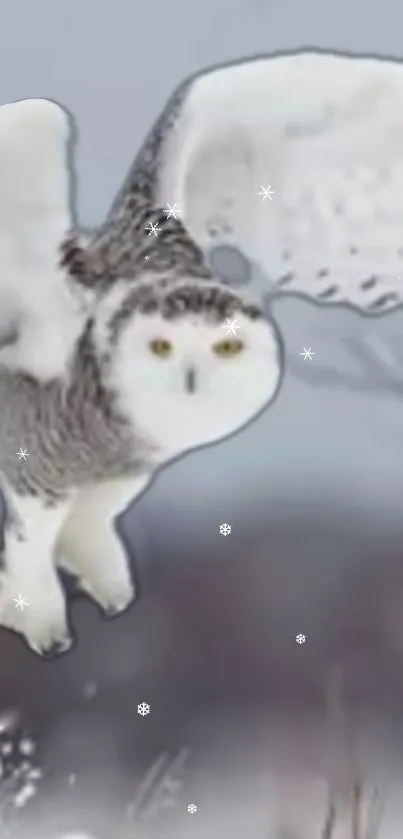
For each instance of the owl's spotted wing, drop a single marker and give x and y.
(325, 133)
(38, 311)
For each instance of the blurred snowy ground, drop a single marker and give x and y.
(313, 490)
(211, 647)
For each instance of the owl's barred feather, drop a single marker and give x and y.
(177, 299)
(72, 428)
(118, 249)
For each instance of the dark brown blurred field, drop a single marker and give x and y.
(210, 645)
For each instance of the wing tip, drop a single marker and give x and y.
(35, 114)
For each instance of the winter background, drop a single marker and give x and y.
(254, 729)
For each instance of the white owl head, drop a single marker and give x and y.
(182, 375)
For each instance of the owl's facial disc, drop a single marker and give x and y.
(224, 348)
(185, 382)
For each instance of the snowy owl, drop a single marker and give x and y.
(99, 393)
(325, 132)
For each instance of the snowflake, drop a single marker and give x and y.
(171, 210)
(143, 709)
(192, 808)
(20, 602)
(230, 326)
(225, 529)
(300, 639)
(307, 353)
(266, 193)
(153, 229)
(22, 454)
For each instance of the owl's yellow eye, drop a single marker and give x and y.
(161, 347)
(228, 347)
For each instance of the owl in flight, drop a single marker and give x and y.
(115, 358)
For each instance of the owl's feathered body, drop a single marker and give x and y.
(75, 427)
(150, 375)
(71, 427)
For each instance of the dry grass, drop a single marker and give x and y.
(354, 807)
(160, 787)
(359, 806)
(365, 816)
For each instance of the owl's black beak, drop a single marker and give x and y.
(190, 380)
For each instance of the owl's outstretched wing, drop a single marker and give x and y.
(325, 133)
(39, 313)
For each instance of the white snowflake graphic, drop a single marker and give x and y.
(230, 326)
(307, 353)
(20, 602)
(192, 808)
(22, 454)
(143, 709)
(153, 229)
(171, 210)
(225, 529)
(266, 192)
(300, 639)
